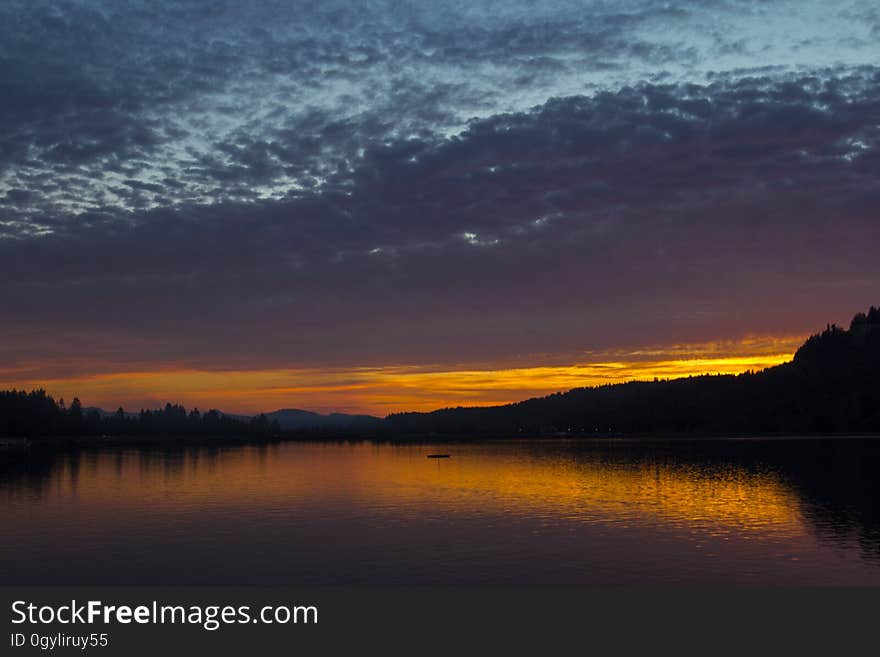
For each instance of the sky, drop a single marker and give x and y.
(371, 206)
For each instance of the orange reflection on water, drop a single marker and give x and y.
(476, 480)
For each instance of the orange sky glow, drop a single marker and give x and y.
(387, 389)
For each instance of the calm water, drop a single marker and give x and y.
(609, 512)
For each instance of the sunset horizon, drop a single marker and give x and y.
(252, 218)
(403, 388)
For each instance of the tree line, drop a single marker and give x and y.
(35, 413)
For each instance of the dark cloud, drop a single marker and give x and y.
(587, 220)
(91, 87)
(270, 184)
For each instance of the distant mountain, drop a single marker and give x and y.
(292, 419)
(103, 413)
(831, 386)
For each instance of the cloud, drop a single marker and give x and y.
(584, 220)
(102, 92)
(287, 186)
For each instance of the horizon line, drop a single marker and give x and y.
(382, 391)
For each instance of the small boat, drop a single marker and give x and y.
(14, 443)
(439, 456)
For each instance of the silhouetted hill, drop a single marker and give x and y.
(831, 386)
(106, 414)
(36, 414)
(291, 419)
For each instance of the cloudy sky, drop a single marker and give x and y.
(382, 205)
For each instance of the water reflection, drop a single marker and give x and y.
(777, 511)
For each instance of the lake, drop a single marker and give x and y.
(743, 512)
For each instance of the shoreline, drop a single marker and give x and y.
(63, 443)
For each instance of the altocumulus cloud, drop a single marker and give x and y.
(280, 185)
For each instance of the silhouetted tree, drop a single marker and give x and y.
(37, 414)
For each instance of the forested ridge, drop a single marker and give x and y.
(832, 385)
